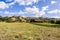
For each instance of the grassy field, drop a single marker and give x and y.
(29, 31)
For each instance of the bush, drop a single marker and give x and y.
(55, 21)
(52, 21)
(32, 20)
(58, 22)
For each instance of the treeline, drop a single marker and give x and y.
(29, 19)
(55, 21)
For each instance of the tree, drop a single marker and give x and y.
(52, 21)
(58, 22)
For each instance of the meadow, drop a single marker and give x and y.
(29, 31)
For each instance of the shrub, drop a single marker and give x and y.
(32, 20)
(58, 22)
(52, 21)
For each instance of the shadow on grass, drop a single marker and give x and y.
(47, 25)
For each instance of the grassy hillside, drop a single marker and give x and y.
(29, 31)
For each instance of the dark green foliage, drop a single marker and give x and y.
(32, 20)
(55, 21)
(58, 22)
(16, 36)
(3, 19)
(38, 39)
(52, 21)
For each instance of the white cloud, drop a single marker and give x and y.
(53, 2)
(20, 12)
(26, 2)
(33, 10)
(59, 4)
(10, 13)
(3, 5)
(6, 12)
(9, 0)
(42, 12)
(55, 16)
(36, 10)
(54, 11)
(23, 2)
(11, 3)
(45, 8)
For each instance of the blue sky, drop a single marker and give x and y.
(30, 8)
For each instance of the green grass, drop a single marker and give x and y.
(29, 31)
